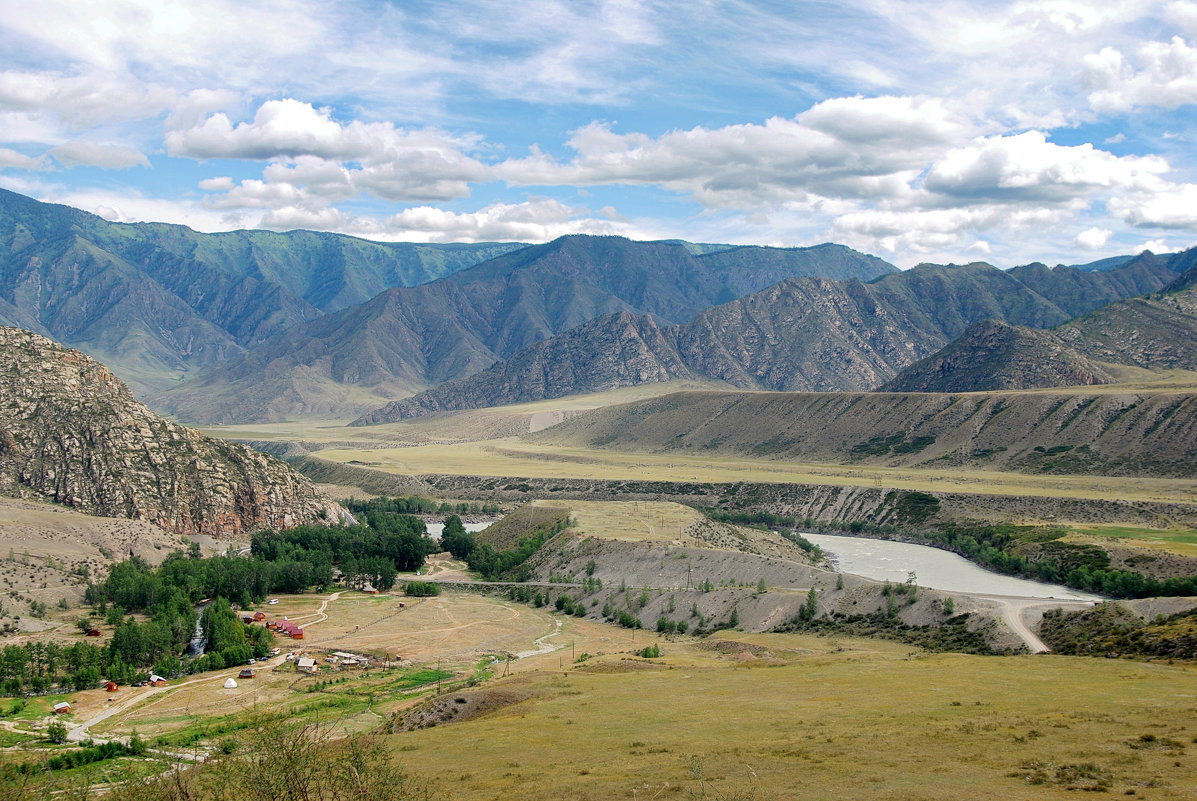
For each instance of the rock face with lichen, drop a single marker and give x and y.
(72, 432)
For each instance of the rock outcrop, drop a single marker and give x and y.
(70, 431)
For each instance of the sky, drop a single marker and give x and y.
(1009, 132)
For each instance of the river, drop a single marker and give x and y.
(435, 529)
(934, 568)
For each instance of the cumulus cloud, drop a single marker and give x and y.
(532, 221)
(311, 149)
(1166, 76)
(93, 154)
(536, 220)
(82, 100)
(1028, 167)
(1093, 238)
(845, 147)
(930, 230)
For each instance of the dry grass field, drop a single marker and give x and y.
(512, 457)
(799, 717)
(632, 521)
(478, 424)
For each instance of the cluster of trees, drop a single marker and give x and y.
(418, 505)
(495, 565)
(76, 758)
(1084, 567)
(39, 665)
(367, 553)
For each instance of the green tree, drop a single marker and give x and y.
(455, 539)
(56, 732)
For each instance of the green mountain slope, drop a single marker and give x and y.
(157, 301)
(408, 339)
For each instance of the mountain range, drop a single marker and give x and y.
(408, 339)
(801, 334)
(260, 326)
(156, 302)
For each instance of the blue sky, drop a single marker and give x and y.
(1050, 130)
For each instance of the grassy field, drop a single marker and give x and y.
(633, 521)
(1181, 541)
(511, 457)
(799, 717)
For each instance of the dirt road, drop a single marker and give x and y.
(1022, 614)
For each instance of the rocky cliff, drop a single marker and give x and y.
(72, 432)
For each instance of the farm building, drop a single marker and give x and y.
(259, 616)
(62, 708)
(111, 686)
(346, 659)
(157, 680)
(307, 665)
(246, 673)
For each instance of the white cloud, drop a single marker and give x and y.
(82, 100)
(12, 159)
(532, 221)
(936, 230)
(1093, 238)
(311, 150)
(846, 147)
(1172, 207)
(1028, 167)
(93, 154)
(1167, 76)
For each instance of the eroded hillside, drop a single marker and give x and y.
(1133, 433)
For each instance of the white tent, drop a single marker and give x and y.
(229, 684)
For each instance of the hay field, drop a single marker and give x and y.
(512, 457)
(799, 717)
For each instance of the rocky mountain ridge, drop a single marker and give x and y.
(70, 431)
(801, 334)
(407, 339)
(994, 356)
(1156, 332)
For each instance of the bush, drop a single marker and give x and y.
(421, 589)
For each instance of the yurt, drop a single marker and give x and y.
(230, 684)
